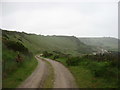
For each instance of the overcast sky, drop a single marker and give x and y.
(68, 17)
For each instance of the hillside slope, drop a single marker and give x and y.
(39, 43)
(107, 43)
(17, 62)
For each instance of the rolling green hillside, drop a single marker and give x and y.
(88, 70)
(108, 43)
(17, 61)
(19, 48)
(39, 43)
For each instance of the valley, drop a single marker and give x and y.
(61, 61)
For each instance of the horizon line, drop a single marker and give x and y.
(62, 35)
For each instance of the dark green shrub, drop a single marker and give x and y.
(102, 69)
(55, 57)
(73, 61)
(16, 46)
(46, 54)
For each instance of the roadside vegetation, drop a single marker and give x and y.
(91, 71)
(17, 63)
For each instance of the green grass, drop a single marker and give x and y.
(82, 76)
(8, 58)
(62, 60)
(85, 78)
(18, 76)
(39, 43)
(15, 73)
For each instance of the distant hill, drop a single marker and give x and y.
(38, 43)
(107, 43)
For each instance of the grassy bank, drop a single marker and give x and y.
(85, 79)
(92, 71)
(17, 63)
(16, 77)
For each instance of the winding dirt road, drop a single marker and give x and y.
(62, 76)
(35, 80)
